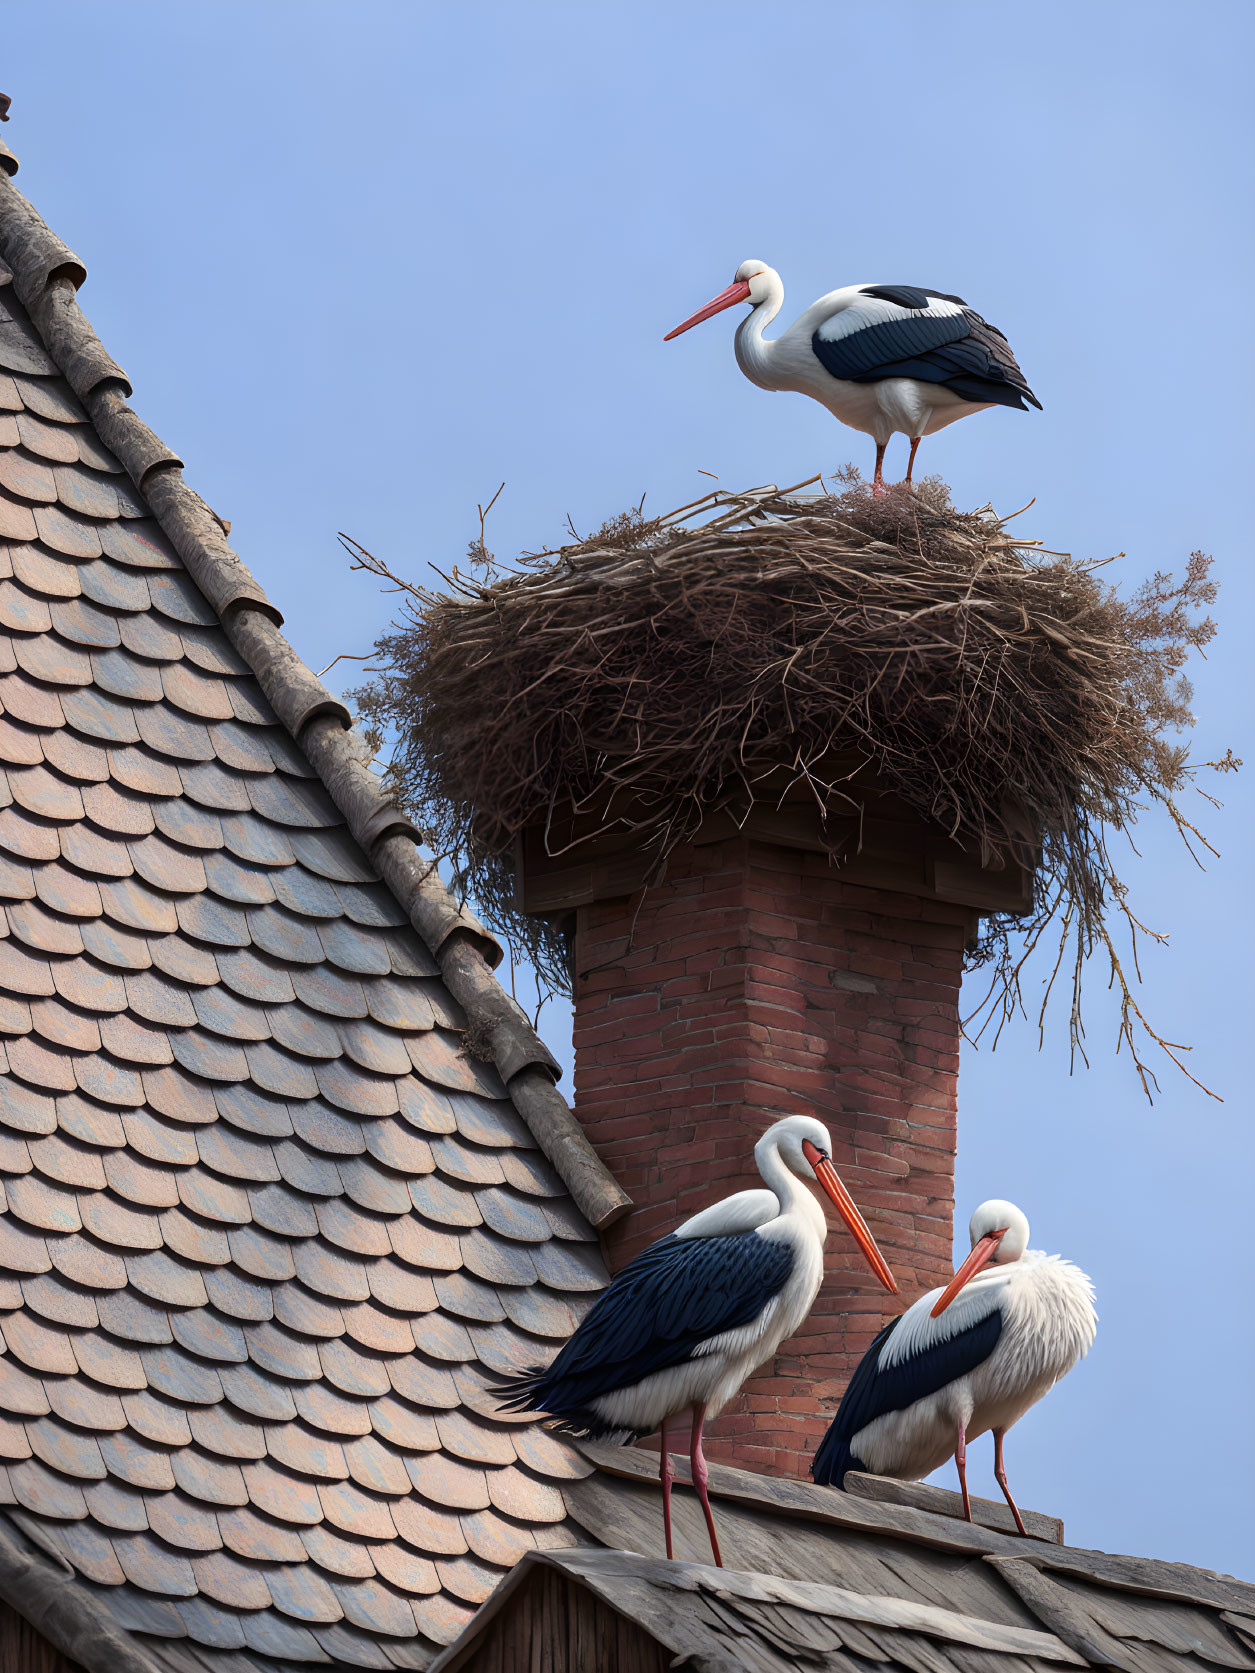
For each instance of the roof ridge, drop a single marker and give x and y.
(46, 277)
(785, 1495)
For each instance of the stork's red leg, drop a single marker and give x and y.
(910, 464)
(700, 1475)
(1000, 1474)
(960, 1459)
(666, 1472)
(878, 480)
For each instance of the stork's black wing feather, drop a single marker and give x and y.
(961, 351)
(910, 296)
(873, 1391)
(670, 1299)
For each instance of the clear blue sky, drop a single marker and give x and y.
(365, 261)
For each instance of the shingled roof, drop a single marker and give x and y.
(266, 1218)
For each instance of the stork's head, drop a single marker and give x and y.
(803, 1145)
(999, 1234)
(753, 282)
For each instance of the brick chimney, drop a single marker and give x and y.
(758, 980)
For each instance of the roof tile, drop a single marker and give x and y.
(109, 1362)
(353, 1510)
(259, 1254)
(90, 1551)
(183, 1524)
(20, 1390)
(352, 1371)
(157, 1419)
(42, 1205)
(257, 1392)
(220, 1577)
(373, 1604)
(153, 1568)
(129, 1316)
(337, 1555)
(40, 1490)
(65, 532)
(45, 1294)
(239, 1297)
(306, 1313)
(333, 1413)
(214, 1481)
(170, 1371)
(84, 1262)
(253, 1536)
(117, 1505)
(300, 1591)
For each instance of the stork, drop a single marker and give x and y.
(881, 358)
(972, 1356)
(684, 1324)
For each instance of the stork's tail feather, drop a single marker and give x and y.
(832, 1459)
(527, 1391)
(521, 1389)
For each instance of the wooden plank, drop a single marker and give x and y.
(823, 1504)
(962, 1583)
(989, 1513)
(1145, 1576)
(588, 858)
(1243, 1625)
(1059, 1611)
(1010, 890)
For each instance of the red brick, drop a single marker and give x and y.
(711, 1015)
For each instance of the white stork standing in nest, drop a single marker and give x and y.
(972, 1356)
(881, 358)
(684, 1324)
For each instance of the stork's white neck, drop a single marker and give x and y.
(791, 1193)
(753, 353)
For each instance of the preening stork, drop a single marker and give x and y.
(881, 358)
(684, 1324)
(971, 1356)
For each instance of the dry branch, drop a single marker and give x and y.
(671, 667)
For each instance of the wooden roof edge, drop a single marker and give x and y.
(453, 1656)
(1146, 1576)
(919, 1495)
(46, 275)
(44, 1591)
(782, 1496)
(603, 1571)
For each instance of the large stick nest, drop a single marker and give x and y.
(672, 666)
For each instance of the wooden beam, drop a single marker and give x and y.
(1062, 1612)
(989, 1513)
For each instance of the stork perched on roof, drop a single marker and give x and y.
(684, 1324)
(971, 1356)
(881, 358)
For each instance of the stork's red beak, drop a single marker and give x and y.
(828, 1177)
(983, 1252)
(737, 291)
